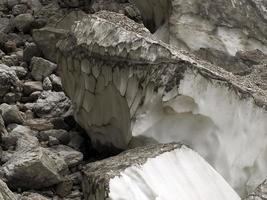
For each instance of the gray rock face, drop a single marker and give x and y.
(5, 193)
(8, 80)
(125, 84)
(34, 169)
(41, 68)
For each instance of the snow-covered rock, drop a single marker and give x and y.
(164, 172)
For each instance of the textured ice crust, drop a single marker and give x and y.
(229, 132)
(180, 174)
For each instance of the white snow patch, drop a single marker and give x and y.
(180, 174)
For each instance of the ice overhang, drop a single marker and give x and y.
(124, 84)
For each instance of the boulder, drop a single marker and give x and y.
(69, 155)
(165, 171)
(11, 114)
(41, 68)
(34, 168)
(9, 81)
(32, 86)
(23, 22)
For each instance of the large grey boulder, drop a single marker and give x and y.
(165, 171)
(23, 22)
(123, 84)
(5, 193)
(34, 168)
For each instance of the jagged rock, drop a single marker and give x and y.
(46, 39)
(20, 71)
(41, 68)
(34, 168)
(20, 137)
(32, 86)
(56, 82)
(134, 86)
(5, 193)
(9, 81)
(50, 104)
(11, 114)
(11, 97)
(19, 9)
(31, 51)
(23, 22)
(157, 171)
(47, 84)
(69, 155)
(61, 135)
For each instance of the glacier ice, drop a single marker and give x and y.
(228, 131)
(179, 174)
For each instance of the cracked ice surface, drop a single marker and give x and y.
(180, 174)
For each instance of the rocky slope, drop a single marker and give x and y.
(78, 84)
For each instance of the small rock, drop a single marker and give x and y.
(52, 141)
(64, 188)
(47, 84)
(20, 71)
(9, 81)
(10, 60)
(1, 54)
(56, 82)
(70, 156)
(10, 46)
(76, 178)
(11, 98)
(30, 51)
(23, 22)
(50, 104)
(41, 68)
(11, 114)
(61, 135)
(19, 9)
(39, 124)
(32, 86)
(6, 25)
